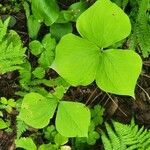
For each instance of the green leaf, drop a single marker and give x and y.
(50, 132)
(80, 61)
(14, 39)
(32, 23)
(125, 137)
(21, 127)
(39, 72)
(1, 114)
(36, 47)
(45, 10)
(3, 124)
(60, 91)
(11, 52)
(104, 23)
(72, 13)
(48, 147)
(26, 7)
(12, 103)
(97, 115)
(3, 28)
(49, 42)
(77, 9)
(141, 30)
(118, 71)
(33, 27)
(37, 110)
(58, 30)
(60, 140)
(76, 60)
(3, 100)
(26, 143)
(12, 20)
(92, 137)
(47, 55)
(72, 119)
(8, 109)
(65, 16)
(25, 74)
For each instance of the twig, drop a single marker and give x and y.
(106, 101)
(146, 63)
(95, 98)
(91, 96)
(144, 91)
(102, 98)
(116, 104)
(145, 75)
(21, 32)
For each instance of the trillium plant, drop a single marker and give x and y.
(82, 59)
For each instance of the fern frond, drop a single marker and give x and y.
(126, 137)
(3, 28)
(143, 27)
(106, 142)
(11, 50)
(141, 30)
(21, 128)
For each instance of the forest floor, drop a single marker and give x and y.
(118, 108)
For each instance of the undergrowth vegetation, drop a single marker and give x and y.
(100, 43)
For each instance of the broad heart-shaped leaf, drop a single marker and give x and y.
(104, 23)
(118, 71)
(45, 10)
(76, 60)
(79, 60)
(26, 143)
(37, 110)
(72, 119)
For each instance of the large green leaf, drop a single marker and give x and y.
(26, 143)
(76, 60)
(118, 71)
(72, 119)
(37, 110)
(104, 23)
(83, 60)
(45, 10)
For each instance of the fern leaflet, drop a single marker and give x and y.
(11, 50)
(141, 30)
(21, 128)
(126, 137)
